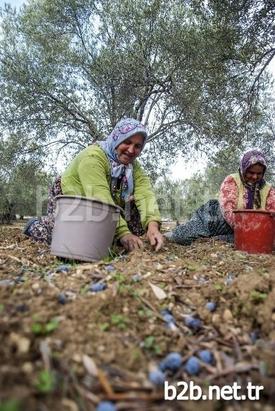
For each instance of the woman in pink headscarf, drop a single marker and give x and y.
(246, 189)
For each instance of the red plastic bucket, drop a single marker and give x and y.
(254, 231)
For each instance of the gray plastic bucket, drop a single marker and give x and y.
(84, 228)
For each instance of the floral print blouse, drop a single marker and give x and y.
(229, 199)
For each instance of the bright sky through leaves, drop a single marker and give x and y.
(181, 169)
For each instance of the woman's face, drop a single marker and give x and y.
(130, 149)
(254, 173)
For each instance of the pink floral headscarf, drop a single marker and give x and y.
(250, 158)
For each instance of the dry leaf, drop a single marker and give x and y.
(159, 293)
(90, 365)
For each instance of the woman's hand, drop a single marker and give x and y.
(131, 242)
(154, 236)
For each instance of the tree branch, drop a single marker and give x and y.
(257, 78)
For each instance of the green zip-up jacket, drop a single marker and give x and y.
(89, 175)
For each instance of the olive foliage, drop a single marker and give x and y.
(191, 71)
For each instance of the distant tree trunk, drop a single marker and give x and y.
(8, 214)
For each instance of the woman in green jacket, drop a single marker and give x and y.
(108, 171)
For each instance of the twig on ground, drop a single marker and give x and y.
(87, 394)
(148, 304)
(105, 383)
(46, 354)
(232, 370)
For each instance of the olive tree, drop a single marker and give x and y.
(191, 71)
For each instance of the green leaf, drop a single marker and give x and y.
(150, 344)
(10, 405)
(45, 382)
(149, 341)
(119, 321)
(43, 329)
(258, 296)
(52, 325)
(218, 287)
(104, 326)
(37, 328)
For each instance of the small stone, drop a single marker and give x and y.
(70, 295)
(22, 343)
(213, 255)
(229, 278)
(69, 405)
(125, 309)
(136, 278)
(6, 283)
(216, 319)
(27, 368)
(148, 274)
(227, 315)
(36, 286)
(77, 358)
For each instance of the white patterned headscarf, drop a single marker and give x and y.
(123, 130)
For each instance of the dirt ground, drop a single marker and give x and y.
(64, 347)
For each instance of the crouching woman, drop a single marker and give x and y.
(246, 189)
(109, 171)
